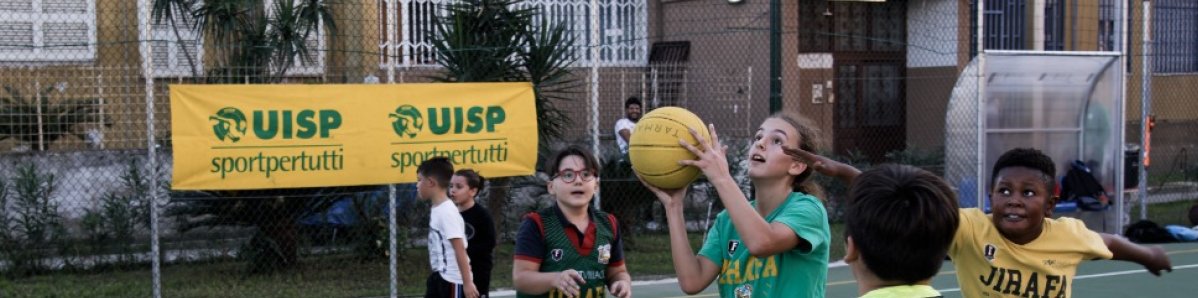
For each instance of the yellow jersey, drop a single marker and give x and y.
(904, 291)
(989, 265)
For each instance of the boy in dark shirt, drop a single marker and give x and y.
(480, 228)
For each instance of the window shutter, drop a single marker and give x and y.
(16, 37)
(168, 48)
(64, 6)
(162, 56)
(16, 5)
(65, 37)
(48, 30)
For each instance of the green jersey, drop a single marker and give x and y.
(794, 273)
(564, 255)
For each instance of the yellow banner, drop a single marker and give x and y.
(285, 136)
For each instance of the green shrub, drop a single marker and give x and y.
(33, 226)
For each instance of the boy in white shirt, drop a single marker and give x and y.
(446, 233)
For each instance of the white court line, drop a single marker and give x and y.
(510, 293)
(1126, 272)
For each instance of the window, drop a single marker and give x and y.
(622, 34)
(1054, 25)
(47, 30)
(1106, 25)
(667, 73)
(1006, 24)
(313, 62)
(622, 29)
(1173, 25)
(176, 47)
(413, 20)
(852, 27)
(869, 94)
(869, 114)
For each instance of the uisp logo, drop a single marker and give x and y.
(230, 124)
(409, 121)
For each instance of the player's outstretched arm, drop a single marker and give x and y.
(824, 165)
(1152, 257)
(694, 273)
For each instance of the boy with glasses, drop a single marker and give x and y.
(570, 249)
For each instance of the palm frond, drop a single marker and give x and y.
(497, 41)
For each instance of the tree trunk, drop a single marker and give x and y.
(497, 202)
(282, 231)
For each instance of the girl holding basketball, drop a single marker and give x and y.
(773, 246)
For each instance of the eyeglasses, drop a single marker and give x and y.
(568, 176)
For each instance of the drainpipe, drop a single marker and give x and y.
(775, 55)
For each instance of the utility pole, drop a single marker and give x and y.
(775, 56)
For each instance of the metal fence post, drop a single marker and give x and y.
(1145, 106)
(595, 87)
(979, 106)
(391, 243)
(392, 53)
(147, 67)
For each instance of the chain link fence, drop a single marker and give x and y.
(85, 200)
(1169, 193)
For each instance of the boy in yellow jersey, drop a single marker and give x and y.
(1019, 250)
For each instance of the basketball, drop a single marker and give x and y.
(654, 149)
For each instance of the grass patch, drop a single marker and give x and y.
(1172, 213)
(647, 256)
(836, 251)
(324, 276)
(317, 276)
(1160, 179)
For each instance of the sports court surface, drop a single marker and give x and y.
(1094, 279)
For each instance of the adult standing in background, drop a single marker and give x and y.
(632, 113)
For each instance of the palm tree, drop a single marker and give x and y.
(546, 64)
(290, 29)
(170, 10)
(496, 41)
(251, 38)
(35, 121)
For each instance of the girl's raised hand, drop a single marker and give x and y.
(669, 198)
(711, 155)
